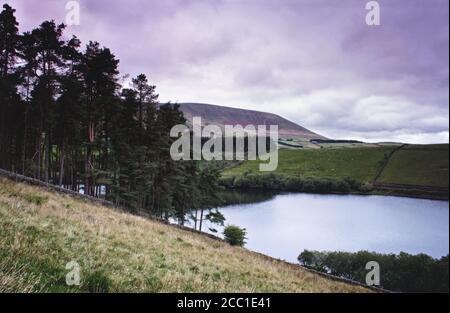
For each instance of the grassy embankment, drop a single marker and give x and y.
(422, 169)
(425, 165)
(41, 231)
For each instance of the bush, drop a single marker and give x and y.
(227, 181)
(235, 235)
(399, 272)
(274, 181)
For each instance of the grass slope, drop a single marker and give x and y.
(41, 231)
(418, 165)
(360, 164)
(422, 165)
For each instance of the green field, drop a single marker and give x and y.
(41, 231)
(361, 164)
(418, 165)
(421, 167)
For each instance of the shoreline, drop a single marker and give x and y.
(375, 192)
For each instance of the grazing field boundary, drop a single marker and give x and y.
(28, 180)
(411, 190)
(387, 161)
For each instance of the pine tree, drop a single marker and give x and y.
(145, 94)
(48, 48)
(9, 100)
(9, 39)
(65, 119)
(68, 115)
(100, 77)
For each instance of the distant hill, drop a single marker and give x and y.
(220, 115)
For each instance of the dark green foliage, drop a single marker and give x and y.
(236, 196)
(215, 217)
(65, 119)
(235, 235)
(292, 183)
(402, 272)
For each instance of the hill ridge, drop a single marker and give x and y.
(221, 115)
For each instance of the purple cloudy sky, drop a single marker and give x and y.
(315, 62)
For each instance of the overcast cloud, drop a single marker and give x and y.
(315, 62)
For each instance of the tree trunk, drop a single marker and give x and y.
(38, 155)
(24, 143)
(61, 163)
(195, 221)
(201, 219)
(88, 165)
(47, 158)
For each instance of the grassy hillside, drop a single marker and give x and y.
(360, 164)
(410, 170)
(41, 231)
(418, 165)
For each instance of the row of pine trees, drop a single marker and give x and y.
(65, 119)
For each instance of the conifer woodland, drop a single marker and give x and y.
(66, 119)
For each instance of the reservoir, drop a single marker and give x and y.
(286, 224)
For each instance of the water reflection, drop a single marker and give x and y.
(285, 224)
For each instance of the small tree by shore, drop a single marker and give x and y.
(235, 235)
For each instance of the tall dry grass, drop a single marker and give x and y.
(119, 252)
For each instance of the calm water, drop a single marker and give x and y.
(288, 223)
